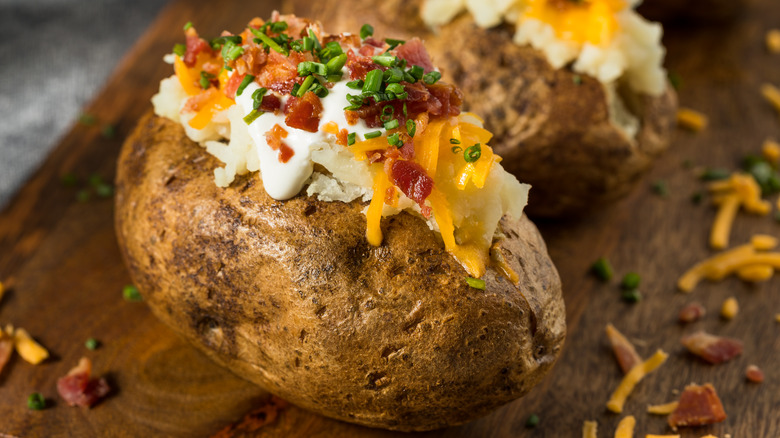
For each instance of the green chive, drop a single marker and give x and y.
(373, 81)
(384, 60)
(82, 196)
(372, 134)
(179, 49)
(417, 72)
(92, 344)
(630, 281)
(476, 283)
(336, 64)
(577, 79)
(69, 179)
(660, 188)
(391, 124)
(387, 113)
(355, 85)
(454, 141)
(714, 174)
(395, 140)
(131, 293)
(472, 153)
(432, 77)
(257, 97)
(188, 26)
(697, 197)
(366, 31)
(279, 26)
(631, 296)
(393, 75)
(602, 269)
(393, 43)
(395, 88)
(456, 149)
(232, 52)
(314, 39)
(411, 127)
(251, 117)
(248, 79)
(108, 131)
(87, 119)
(104, 190)
(675, 79)
(532, 421)
(205, 80)
(307, 83)
(334, 78)
(308, 43)
(265, 39)
(309, 67)
(36, 402)
(351, 138)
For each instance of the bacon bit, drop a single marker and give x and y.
(255, 420)
(271, 103)
(691, 120)
(407, 151)
(414, 52)
(664, 409)
(274, 139)
(391, 196)
(699, 405)
(232, 85)
(754, 374)
(342, 138)
(198, 101)
(359, 65)
(692, 312)
(77, 389)
(6, 348)
(280, 72)
(625, 353)
(195, 45)
(411, 178)
(713, 349)
(303, 113)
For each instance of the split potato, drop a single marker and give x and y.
(554, 128)
(290, 295)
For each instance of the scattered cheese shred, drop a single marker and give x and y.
(740, 190)
(630, 380)
(26, 346)
(374, 213)
(590, 429)
(777, 317)
(772, 95)
(729, 309)
(664, 409)
(773, 41)
(771, 151)
(691, 119)
(2, 290)
(625, 429)
(661, 436)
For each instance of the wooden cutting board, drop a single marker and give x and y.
(60, 259)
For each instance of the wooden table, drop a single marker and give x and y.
(61, 260)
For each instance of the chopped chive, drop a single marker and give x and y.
(411, 127)
(179, 49)
(232, 53)
(226, 40)
(577, 79)
(82, 195)
(248, 79)
(660, 188)
(454, 141)
(309, 67)
(432, 77)
(391, 124)
(36, 402)
(395, 140)
(104, 190)
(351, 138)
(384, 60)
(252, 116)
(697, 197)
(205, 80)
(475, 283)
(393, 75)
(714, 174)
(630, 281)
(372, 134)
(307, 83)
(393, 43)
(387, 113)
(130, 292)
(366, 31)
(87, 119)
(417, 72)
(336, 64)
(404, 109)
(188, 26)
(108, 131)
(456, 149)
(355, 85)
(95, 180)
(92, 344)
(314, 39)
(257, 98)
(69, 179)
(265, 39)
(675, 79)
(373, 81)
(395, 88)
(631, 296)
(602, 269)
(279, 26)
(532, 421)
(308, 43)
(472, 153)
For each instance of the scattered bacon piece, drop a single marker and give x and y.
(699, 405)
(280, 72)
(359, 65)
(342, 138)
(77, 389)
(754, 374)
(414, 52)
(6, 348)
(692, 312)
(232, 85)
(274, 139)
(411, 178)
(303, 113)
(625, 353)
(195, 45)
(196, 102)
(713, 349)
(271, 103)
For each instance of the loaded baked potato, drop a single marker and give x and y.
(294, 294)
(579, 143)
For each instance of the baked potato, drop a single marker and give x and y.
(558, 130)
(290, 295)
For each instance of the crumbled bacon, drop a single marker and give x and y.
(699, 405)
(342, 138)
(414, 52)
(6, 348)
(232, 85)
(754, 374)
(713, 349)
(280, 72)
(195, 45)
(77, 389)
(274, 139)
(359, 65)
(196, 102)
(692, 312)
(625, 353)
(303, 113)
(412, 179)
(271, 103)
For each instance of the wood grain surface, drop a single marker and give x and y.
(60, 259)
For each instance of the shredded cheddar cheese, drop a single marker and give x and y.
(661, 436)
(630, 380)
(2, 290)
(664, 409)
(26, 346)
(590, 429)
(625, 429)
(374, 213)
(729, 309)
(771, 151)
(773, 41)
(777, 317)
(186, 77)
(772, 95)
(691, 119)
(740, 190)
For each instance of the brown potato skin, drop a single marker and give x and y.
(553, 133)
(291, 296)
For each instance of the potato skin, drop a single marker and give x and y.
(291, 296)
(552, 129)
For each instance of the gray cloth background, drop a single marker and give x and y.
(54, 56)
